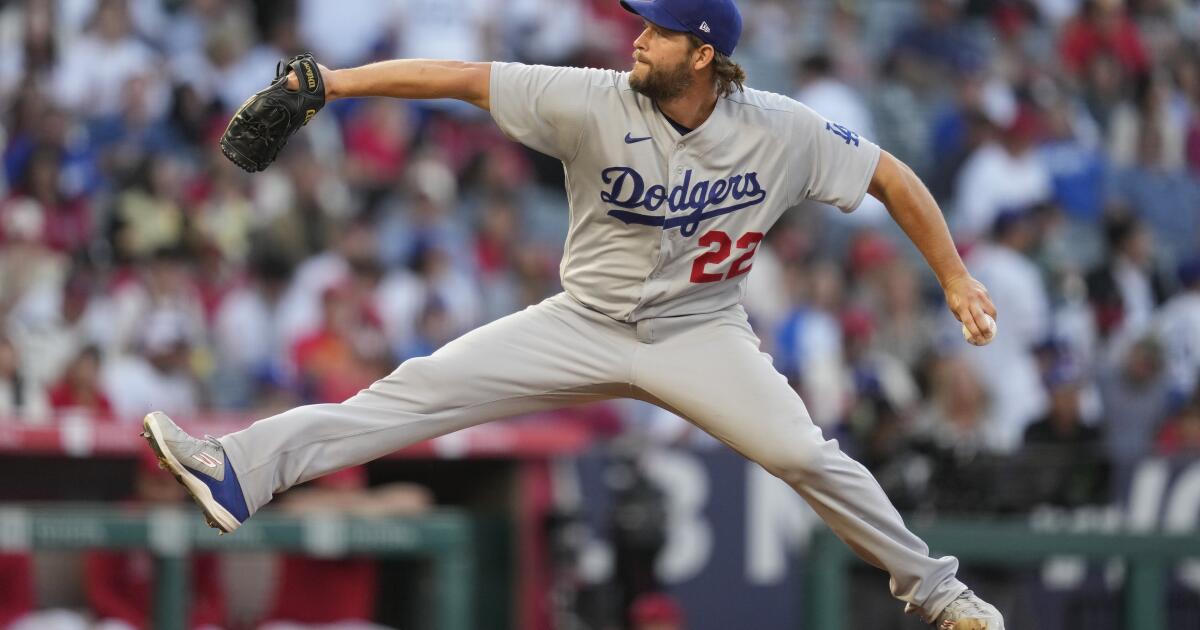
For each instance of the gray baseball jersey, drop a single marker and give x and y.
(664, 224)
(663, 230)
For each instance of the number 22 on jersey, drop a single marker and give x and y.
(747, 244)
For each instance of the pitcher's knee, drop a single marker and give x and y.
(415, 387)
(795, 463)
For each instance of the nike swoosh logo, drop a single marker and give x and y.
(629, 139)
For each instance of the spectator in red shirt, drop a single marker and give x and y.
(1181, 434)
(79, 391)
(377, 139)
(340, 358)
(16, 587)
(1101, 28)
(119, 585)
(67, 221)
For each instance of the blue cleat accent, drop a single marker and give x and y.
(227, 492)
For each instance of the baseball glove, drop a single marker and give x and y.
(263, 124)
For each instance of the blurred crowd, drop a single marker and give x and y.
(141, 270)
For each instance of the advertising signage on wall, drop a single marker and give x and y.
(736, 537)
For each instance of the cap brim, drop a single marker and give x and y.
(652, 12)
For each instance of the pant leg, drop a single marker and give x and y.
(550, 355)
(710, 370)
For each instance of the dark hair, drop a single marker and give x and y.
(1118, 229)
(818, 64)
(1143, 90)
(728, 73)
(90, 351)
(41, 154)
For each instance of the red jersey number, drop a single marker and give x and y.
(748, 242)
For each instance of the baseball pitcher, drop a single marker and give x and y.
(674, 171)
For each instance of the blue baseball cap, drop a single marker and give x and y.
(716, 22)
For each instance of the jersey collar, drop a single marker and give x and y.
(709, 136)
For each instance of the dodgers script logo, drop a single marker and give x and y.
(627, 189)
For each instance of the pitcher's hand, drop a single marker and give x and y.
(968, 300)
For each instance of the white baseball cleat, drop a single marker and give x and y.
(202, 468)
(969, 612)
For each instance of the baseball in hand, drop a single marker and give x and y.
(989, 330)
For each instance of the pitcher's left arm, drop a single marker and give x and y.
(915, 211)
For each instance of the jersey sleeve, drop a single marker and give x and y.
(831, 164)
(543, 107)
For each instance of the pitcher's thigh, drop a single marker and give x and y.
(543, 350)
(727, 387)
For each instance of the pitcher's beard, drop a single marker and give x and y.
(662, 84)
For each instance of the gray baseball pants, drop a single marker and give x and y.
(706, 368)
